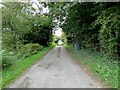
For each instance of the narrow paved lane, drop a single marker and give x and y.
(55, 70)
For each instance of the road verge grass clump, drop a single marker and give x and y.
(104, 69)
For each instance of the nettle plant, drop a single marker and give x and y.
(7, 58)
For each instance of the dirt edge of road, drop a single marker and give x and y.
(91, 74)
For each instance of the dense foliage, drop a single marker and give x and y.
(25, 30)
(91, 25)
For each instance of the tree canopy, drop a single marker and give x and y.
(21, 25)
(92, 25)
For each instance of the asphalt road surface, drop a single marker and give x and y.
(55, 70)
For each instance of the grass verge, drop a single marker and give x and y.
(11, 73)
(105, 70)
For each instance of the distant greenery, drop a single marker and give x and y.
(15, 70)
(105, 70)
(62, 38)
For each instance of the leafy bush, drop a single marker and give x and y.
(109, 32)
(53, 44)
(30, 49)
(7, 58)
